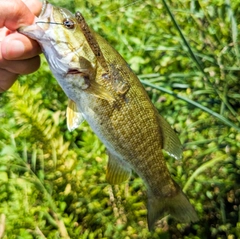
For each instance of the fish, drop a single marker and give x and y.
(103, 90)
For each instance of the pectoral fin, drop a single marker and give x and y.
(74, 117)
(171, 142)
(99, 91)
(88, 72)
(117, 170)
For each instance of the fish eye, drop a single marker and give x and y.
(68, 23)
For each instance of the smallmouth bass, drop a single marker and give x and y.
(104, 91)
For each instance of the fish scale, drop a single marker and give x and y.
(104, 91)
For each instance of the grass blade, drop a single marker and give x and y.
(209, 111)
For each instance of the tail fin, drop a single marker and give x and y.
(177, 206)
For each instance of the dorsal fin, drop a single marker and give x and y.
(171, 142)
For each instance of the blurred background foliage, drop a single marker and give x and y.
(52, 182)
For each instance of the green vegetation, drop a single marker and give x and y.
(52, 182)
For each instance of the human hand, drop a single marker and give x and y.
(18, 53)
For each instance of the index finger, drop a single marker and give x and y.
(14, 14)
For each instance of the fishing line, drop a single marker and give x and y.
(56, 23)
(126, 5)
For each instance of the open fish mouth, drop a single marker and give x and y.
(41, 24)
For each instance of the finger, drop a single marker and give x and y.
(14, 14)
(7, 79)
(34, 6)
(17, 47)
(21, 67)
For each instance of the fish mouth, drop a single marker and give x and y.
(37, 29)
(74, 71)
(32, 31)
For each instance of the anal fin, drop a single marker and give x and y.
(117, 170)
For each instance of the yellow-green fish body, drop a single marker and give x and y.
(103, 90)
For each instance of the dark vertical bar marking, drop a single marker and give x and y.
(91, 41)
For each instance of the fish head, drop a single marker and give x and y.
(70, 58)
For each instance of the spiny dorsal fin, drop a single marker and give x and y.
(74, 117)
(171, 142)
(117, 170)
